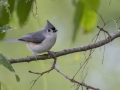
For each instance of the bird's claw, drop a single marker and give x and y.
(52, 54)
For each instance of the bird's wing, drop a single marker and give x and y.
(36, 37)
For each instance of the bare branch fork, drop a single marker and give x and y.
(71, 50)
(47, 71)
(67, 77)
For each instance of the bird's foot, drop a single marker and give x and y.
(52, 54)
(36, 56)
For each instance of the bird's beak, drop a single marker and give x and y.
(55, 30)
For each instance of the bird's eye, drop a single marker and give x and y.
(48, 30)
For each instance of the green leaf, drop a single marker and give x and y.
(2, 35)
(17, 78)
(0, 86)
(11, 4)
(7, 7)
(85, 17)
(78, 17)
(89, 21)
(4, 17)
(5, 62)
(5, 28)
(26, 6)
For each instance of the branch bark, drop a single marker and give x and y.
(69, 51)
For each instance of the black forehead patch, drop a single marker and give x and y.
(53, 28)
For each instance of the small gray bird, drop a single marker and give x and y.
(40, 41)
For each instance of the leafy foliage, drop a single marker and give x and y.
(7, 8)
(26, 6)
(5, 62)
(0, 86)
(85, 17)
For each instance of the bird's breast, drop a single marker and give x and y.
(45, 46)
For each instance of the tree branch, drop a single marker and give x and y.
(69, 51)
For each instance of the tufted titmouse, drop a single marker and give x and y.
(40, 41)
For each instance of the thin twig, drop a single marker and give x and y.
(47, 71)
(104, 31)
(74, 81)
(100, 17)
(34, 81)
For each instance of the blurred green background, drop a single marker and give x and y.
(62, 14)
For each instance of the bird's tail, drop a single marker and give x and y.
(11, 40)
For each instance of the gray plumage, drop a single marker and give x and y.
(36, 37)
